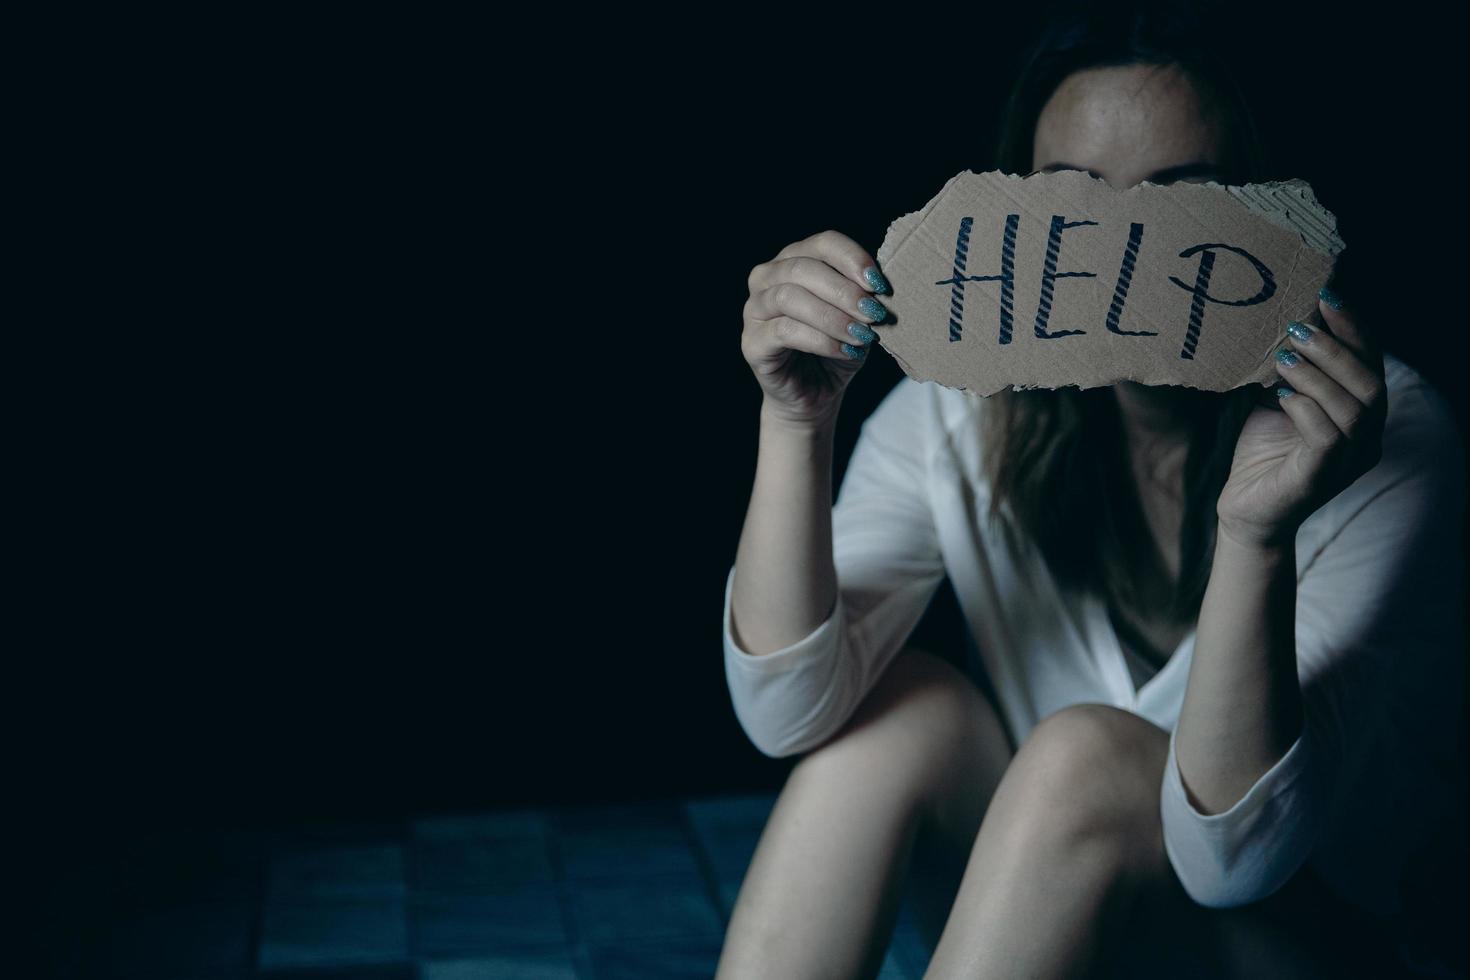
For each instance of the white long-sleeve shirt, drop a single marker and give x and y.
(1379, 642)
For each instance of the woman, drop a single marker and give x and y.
(1221, 629)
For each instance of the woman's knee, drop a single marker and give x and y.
(1093, 769)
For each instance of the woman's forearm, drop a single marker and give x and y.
(1242, 705)
(785, 584)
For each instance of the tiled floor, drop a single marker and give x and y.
(588, 893)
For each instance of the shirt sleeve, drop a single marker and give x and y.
(887, 557)
(1377, 625)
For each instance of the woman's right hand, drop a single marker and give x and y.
(808, 307)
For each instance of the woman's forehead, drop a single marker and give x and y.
(1126, 122)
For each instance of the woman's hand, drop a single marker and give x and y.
(1287, 465)
(806, 323)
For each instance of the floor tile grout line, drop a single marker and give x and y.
(706, 866)
(551, 842)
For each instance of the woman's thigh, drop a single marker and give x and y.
(924, 749)
(953, 819)
(953, 814)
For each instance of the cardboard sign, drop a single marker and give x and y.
(1059, 279)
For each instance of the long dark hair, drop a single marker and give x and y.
(1057, 458)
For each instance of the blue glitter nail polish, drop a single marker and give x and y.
(872, 309)
(1330, 298)
(1299, 331)
(875, 280)
(1287, 357)
(1284, 391)
(862, 333)
(856, 353)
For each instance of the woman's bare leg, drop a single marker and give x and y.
(925, 748)
(1062, 850)
(1068, 875)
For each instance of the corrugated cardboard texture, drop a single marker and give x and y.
(1059, 279)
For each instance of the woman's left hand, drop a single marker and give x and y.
(1288, 465)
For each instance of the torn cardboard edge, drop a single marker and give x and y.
(1059, 279)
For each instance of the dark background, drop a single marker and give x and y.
(421, 440)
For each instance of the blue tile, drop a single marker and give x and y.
(179, 941)
(333, 933)
(469, 866)
(728, 831)
(655, 907)
(623, 840)
(724, 814)
(625, 852)
(909, 950)
(729, 890)
(901, 953)
(494, 825)
(448, 926)
(893, 970)
(552, 965)
(669, 959)
(361, 971)
(729, 853)
(357, 873)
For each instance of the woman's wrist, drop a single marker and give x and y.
(783, 427)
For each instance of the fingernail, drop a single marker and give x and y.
(856, 353)
(1287, 357)
(1284, 391)
(1299, 331)
(862, 333)
(1330, 298)
(875, 280)
(872, 309)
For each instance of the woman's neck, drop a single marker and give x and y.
(1157, 425)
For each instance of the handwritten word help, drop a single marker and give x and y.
(1204, 255)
